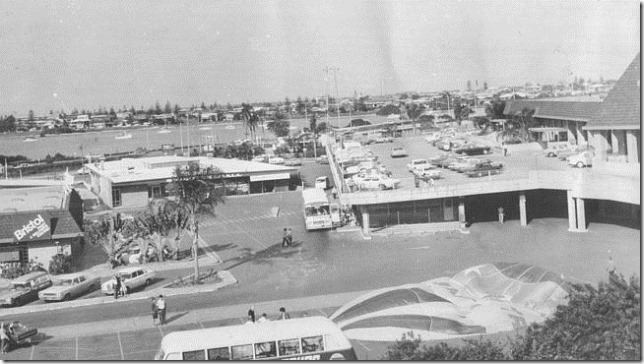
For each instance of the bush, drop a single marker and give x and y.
(60, 264)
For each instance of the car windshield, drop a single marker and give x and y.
(125, 275)
(21, 286)
(66, 282)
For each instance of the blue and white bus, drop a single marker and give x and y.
(317, 211)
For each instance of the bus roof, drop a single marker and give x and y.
(315, 196)
(181, 341)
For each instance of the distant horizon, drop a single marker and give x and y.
(93, 54)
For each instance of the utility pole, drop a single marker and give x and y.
(326, 91)
(337, 96)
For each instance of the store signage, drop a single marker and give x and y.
(34, 229)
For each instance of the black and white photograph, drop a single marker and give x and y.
(429, 180)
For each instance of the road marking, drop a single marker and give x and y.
(420, 247)
(363, 345)
(31, 356)
(76, 347)
(118, 335)
(159, 326)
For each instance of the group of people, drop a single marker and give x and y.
(6, 338)
(11, 270)
(264, 317)
(158, 309)
(120, 289)
(287, 240)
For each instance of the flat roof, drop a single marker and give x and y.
(156, 168)
(31, 199)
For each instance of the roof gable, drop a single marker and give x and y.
(564, 110)
(621, 108)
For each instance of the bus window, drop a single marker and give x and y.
(312, 344)
(289, 347)
(194, 355)
(242, 352)
(265, 350)
(218, 354)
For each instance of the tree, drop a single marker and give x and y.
(495, 109)
(157, 109)
(31, 115)
(197, 191)
(388, 110)
(313, 121)
(485, 85)
(469, 85)
(8, 124)
(409, 348)
(279, 127)
(251, 120)
(161, 218)
(168, 108)
(321, 128)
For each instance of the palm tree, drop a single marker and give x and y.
(162, 217)
(251, 120)
(197, 191)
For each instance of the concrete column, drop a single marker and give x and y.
(522, 210)
(581, 215)
(461, 210)
(572, 212)
(614, 141)
(631, 147)
(365, 221)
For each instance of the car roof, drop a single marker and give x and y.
(30, 276)
(131, 269)
(71, 276)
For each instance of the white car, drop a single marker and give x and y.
(583, 159)
(275, 160)
(322, 182)
(556, 149)
(132, 278)
(67, 287)
(377, 182)
(259, 158)
(417, 164)
(428, 171)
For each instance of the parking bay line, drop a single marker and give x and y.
(31, 356)
(77, 347)
(118, 335)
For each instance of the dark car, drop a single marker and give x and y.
(442, 161)
(25, 289)
(472, 149)
(485, 169)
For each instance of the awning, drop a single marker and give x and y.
(546, 130)
(270, 177)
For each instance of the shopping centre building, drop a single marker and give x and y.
(608, 192)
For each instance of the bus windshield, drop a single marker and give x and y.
(317, 213)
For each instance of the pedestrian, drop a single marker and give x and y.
(124, 291)
(263, 318)
(334, 192)
(501, 215)
(610, 268)
(505, 149)
(285, 238)
(283, 314)
(155, 313)
(161, 309)
(4, 339)
(117, 286)
(251, 314)
(289, 236)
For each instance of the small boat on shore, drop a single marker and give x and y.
(204, 128)
(30, 139)
(122, 136)
(230, 127)
(164, 131)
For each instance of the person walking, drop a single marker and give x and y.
(117, 286)
(155, 313)
(611, 268)
(4, 339)
(283, 314)
(161, 309)
(501, 215)
(289, 236)
(124, 291)
(251, 314)
(334, 192)
(285, 238)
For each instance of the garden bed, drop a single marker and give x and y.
(208, 277)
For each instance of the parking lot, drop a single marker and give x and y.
(515, 165)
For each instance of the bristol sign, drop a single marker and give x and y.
(34, 229)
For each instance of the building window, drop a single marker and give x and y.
(116, 197)
(155, 192)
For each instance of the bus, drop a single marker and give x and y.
(308, 338)
(317, 214)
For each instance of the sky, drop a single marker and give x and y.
(90, 54)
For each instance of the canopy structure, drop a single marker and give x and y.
(547, 130)
(485, 299)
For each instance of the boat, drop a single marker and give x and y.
(205, 128)
(230, 127)
(164, 131)
(30, 139)
(123, 135)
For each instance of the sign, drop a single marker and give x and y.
(33, 229)
(270, 177)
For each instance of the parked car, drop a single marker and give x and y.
(485, 169)
(25, 289)
(555, 150)
(398, 152)
(473, 149)
(583, 159)
(275, 160)
(462, 162)
(259, 158)
(293, 162)
(417, 163)
(322, 182)
(323, 159)
(377, 181)
(442, 161)
(427, 171)
(132, 278)
(70, 286)
(384, 139)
